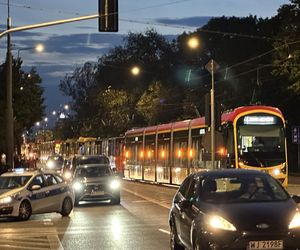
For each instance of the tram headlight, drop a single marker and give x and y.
(276, 171)
(295, 222)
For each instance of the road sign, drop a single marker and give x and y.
(296, 135)
(212, 66)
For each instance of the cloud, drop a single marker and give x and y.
(188, 21)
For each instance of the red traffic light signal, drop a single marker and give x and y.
(108, 15)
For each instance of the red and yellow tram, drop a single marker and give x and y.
(251, 137)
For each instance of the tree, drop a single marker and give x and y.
(27, 96)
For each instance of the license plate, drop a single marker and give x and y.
(265, 244)
(97, 193)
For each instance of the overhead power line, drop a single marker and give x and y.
(183, 27)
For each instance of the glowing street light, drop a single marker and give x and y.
(46, 119)
(38, 124)
(135, 70)
(39, 48)
(66, 107)
(53, 112)
(193, 43)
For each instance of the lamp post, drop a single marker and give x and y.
(9, 108)
(194, 43)
(135, 70)
(38, 48)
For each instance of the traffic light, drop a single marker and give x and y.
(108, 15)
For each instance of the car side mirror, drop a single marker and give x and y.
(296, 198)
(35, 187)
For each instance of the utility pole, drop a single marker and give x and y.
(212, 117)
(9, 104)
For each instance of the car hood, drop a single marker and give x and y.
(247, 216)
(95, 180)
(7, 192)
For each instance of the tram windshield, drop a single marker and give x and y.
(260, 140)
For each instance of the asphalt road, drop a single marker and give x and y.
(140, 222)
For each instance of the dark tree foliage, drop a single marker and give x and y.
(28, 101)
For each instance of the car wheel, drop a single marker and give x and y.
(174, 245)
(25, 211)
(115, 201)
(66, 207)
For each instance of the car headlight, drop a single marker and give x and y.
(50, 164)
(295, 222)
(218, 222)
(6, 200)
(114, 184)
(67, 175)
(77, 186)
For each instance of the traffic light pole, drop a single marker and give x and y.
(9, 102)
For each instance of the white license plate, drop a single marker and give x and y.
(97, 193)
(265, 244)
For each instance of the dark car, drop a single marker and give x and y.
(96, 182)
(55, 162)
(234, 209)
(76, 161)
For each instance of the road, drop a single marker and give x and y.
(140, 222)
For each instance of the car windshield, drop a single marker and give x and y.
(93, 160)
(91, 172)
(11, 182)
(250, 188)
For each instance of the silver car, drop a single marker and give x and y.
(23, 193)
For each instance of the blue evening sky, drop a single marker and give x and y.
(70, 45)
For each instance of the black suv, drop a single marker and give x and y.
(96, 182)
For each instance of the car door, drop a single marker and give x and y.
(178, 203)
(39, 198)
(54, 193)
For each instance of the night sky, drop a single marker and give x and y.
(70, 45)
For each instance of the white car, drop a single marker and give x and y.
(24, 192)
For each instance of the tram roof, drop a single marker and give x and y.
(227, 116)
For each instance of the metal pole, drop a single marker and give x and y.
(212, 111)
(9, 108)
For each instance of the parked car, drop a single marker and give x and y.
(23, 193)
(96, 182)
(234, 209)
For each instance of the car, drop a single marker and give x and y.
(55, 162)
(96, 182)
(26, 192)
(76, 161)
(233, 209)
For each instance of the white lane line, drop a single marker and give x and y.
(147, 198)
(140, 201)
(164, 231)
(55, 242)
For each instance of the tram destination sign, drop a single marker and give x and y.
(296, 135)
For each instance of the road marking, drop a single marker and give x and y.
(147, 198)
(55, 242)
(164, 231)
(140, 201)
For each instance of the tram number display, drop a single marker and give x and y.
(265, 244)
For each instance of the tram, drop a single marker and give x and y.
(249, 137)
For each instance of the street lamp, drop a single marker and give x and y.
(194, 43)
(135, 70)
(38, 48)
